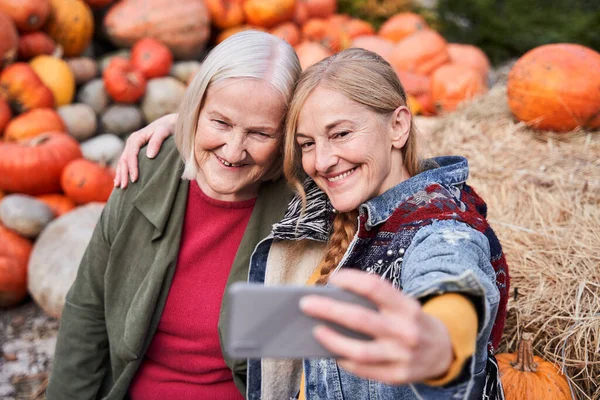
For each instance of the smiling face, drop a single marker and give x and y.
(238, 137)
(350, 151)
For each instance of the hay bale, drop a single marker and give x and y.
(543, 196)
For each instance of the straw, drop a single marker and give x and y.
(543, 196)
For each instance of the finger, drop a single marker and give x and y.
(131, 155)
(360, 351)
(392, 325)
(389, 373)
(156, 140)
(379, 291)
(116, 179)
(348, 315)
(123, 172)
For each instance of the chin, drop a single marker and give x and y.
(345, 206)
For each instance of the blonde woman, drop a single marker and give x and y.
(373, 218)
(143, 317)
(408, 234)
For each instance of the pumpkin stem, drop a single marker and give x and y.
(524, 361)
(37, 140)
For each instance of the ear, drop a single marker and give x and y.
(400, 126)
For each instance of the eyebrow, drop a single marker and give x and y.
(328, 127)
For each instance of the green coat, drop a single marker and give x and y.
(114, 307)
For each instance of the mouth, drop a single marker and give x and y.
(341, 176)
(227, 163)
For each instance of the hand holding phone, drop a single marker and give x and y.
(266, 321)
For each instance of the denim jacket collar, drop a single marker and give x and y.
(447, 171)
(315, 221)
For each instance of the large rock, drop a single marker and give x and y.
(56, 255)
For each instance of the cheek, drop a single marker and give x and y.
(265, 153)
(307, 161)
(207, 137)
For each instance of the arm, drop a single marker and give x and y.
(81, 361)
(451, 257)
(154, 134)
(415, 343)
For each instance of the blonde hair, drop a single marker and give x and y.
(363, 77)
(248, 54)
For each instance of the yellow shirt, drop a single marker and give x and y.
(460, 318)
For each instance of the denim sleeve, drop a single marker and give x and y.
(450, 256)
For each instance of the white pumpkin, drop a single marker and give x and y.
(56, 256)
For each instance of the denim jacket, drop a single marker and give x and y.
(420, 255)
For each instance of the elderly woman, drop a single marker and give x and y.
(408, 234)
(143, 317)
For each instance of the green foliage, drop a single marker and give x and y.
(506, 29)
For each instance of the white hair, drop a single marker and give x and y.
(247, 54)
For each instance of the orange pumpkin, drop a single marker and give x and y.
(84, 181)
(34, 44)
(472, 56)
(5, 115)
(10, 40)
(374, 43)
(414, 84)
(182, 25)
(525, 376)
(33, 123)
(422, 52)
(319, 8)
(268, 13)
(14, 256)
(151, 57)
(357, 27)
(427, 105)
(402, 25)
(123, 82)
(232, 31)
(452, 84)
(58, 203)
(56, 74)
(98, 3)
(71, 25)
(29, 15)
(300, 13)
(329, 34)
(556, 87)
(226, 13)
(310, 53)
(413, 105)
(34, 166)
(289, 32)
(23, 89)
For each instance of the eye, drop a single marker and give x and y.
(220, 122)
(262, 135)
(341, 134)
(306, 145)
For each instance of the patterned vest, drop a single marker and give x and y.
(380, 250)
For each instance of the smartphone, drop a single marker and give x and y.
(266, 321)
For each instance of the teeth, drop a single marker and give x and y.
(228, 164)
(341, 176)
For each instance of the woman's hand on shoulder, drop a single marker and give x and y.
(154, 134)
(408, 345)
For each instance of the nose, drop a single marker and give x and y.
(325, 157)
(234, 149)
